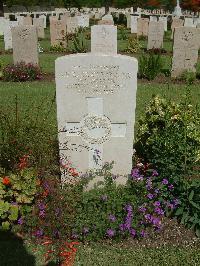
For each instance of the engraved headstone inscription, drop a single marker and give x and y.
(101, 129)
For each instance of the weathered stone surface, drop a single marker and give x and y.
(83, 21)
(189, 22)
(134, 20)
(176, 22)
(185, 50)
(58, 32)
(24, 40)
(72, 24)
(105, 22)
(104, 39)
(101, 129)
(164, 20)
(142, 27)
(39, 24)
(8, 34)
(27, 21)
(155, 35)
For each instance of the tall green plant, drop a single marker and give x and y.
(150, 66)
(79, 42)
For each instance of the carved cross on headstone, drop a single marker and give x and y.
(95, 129)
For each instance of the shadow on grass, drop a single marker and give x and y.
(12, 251)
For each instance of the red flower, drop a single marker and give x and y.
(6, 181)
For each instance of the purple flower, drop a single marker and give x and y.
(148, 217)
(142, 209)
(128, 208)
(157, 190)
(85, 230)
(39, 233)
(41, 206)
(132, 232)
(155, 173)
(135, 173)
(14, 203)
(75, 235)
(150, 196)
(156, 222)
(57, 212)
(176, 202)
(159, 211)
(143, 233)
(20, 221)
(170, 205)
(104, 197)
(170, 187)
(112, 218)
(42, 213)
(122, 227)
(56, 233)
(110, 232)
(149, 185)
(165, 181)
(157, 204)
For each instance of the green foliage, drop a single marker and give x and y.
(17, 193)
(21, 72)
(1, 69)
(188, 212)
(134, 45)
(23, 133)
(188, 77)
(122, 33)
(79, 42)
(58, 49)
(149, 66)
(169, 136)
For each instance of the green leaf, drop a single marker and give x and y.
(191, 195)
(179, 211)
(5, 225)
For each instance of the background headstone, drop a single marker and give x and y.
(176, 22)
(164, 20)
(155, 35)
(58, 32)
(134, 24)
(104, 39)
(142, 27)
(185, 50)
(39, 24)
(24, 41)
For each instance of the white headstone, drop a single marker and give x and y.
(44, 20)
(83, 21)
(104, 39)
(108, 18)
(185, 50)
(155, 35)
(101, 129)
(189, 22)
(134, 24)
(153, 18)
(8, 34)
(164, 20)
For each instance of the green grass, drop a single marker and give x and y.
(105, 255)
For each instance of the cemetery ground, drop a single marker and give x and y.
(34, 103)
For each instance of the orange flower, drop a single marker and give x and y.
(6, 181)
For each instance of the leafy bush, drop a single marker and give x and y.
(149, 66)
(122, 33)
(169, 136)
(187, 77)
(79, 42)
(134, 45)
(188, 212)
(21, 72)
(58, 49)
(111, 211)
(17, 193)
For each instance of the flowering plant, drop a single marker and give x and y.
(17, 193)
(21, 72)
(115, 211)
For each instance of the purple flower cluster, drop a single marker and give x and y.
(135, 173)
(127, 225)
(41, 207)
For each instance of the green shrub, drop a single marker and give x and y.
(122, 33)
(169, 136)
(188, 212)
(188, 77)
(149, 66)
(58, 49)
(134, 45)
(79, 42)
(21, 72)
